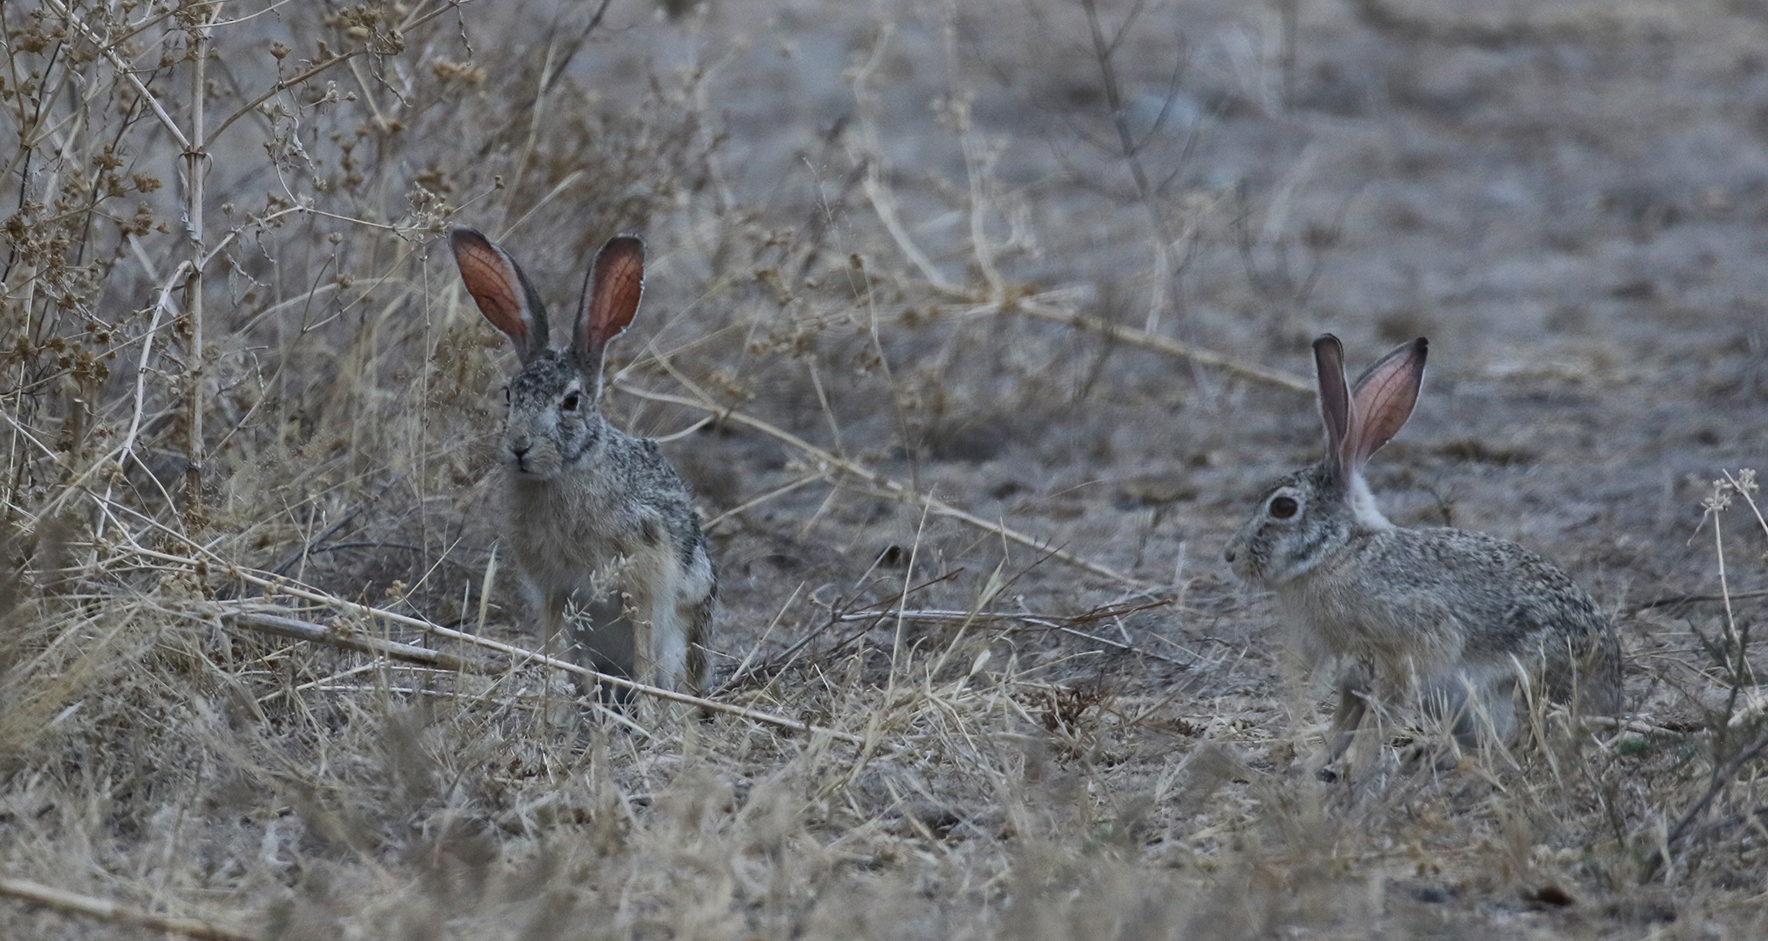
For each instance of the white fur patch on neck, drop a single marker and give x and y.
(1363, 505)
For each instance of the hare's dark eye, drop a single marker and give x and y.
(570, 403)
(506, 395)
(1283, 507)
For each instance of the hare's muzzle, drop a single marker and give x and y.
(521, 456)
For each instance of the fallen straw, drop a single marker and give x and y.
(114, 912)
(293, 590)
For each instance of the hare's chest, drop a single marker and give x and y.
(561, 538)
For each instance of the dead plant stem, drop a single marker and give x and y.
(1044, 623)
(294, 629)
(831, 466)
(284, 586)
(108, 910)
(125, 71)
(196, 164)
(1721, 778)
(1131, 336)
(312, 71)
(1104, 53)
(126, 450)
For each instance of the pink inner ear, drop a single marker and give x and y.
(492, 281)
(617, 284)
(1385, 397)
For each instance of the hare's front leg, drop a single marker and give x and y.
(641, 613)
(553, 615)
(602, 633)
(686, 655)
(1353, 702)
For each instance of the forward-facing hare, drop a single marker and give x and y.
(600, 525)
(1446, 617)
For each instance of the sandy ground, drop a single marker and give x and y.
(1569, 199)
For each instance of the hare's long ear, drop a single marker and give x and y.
(611, 294)
(1335, 404)
(1382, 399)
(501, 290)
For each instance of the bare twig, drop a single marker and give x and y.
(346, 639)
(1042, 622)
(282, 567)
(126, 72)
(294, 590)
(126, 450)
(350, 640)
(831, 466)
(575, 46)
(1130, 335)
(1384, 17)
(878, 611)
(115, 912)
(196, 163)
(755, 501)
(1104, 53)
(1733, 656)
(316, 69)
(1635, 725)
(1721, 778)
(1690, 599)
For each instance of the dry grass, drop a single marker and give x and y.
(974, 330)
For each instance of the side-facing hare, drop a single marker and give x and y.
(602, 528)
(1446, 617)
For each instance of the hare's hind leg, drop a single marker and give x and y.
(678, 640)
(1477, 710)
(669, 646)
(681, 650)
(699, 635)
(681, 610)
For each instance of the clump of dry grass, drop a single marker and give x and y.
(261, 674)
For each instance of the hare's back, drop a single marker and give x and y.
(1510, 601)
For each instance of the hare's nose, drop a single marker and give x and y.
(1228, 554)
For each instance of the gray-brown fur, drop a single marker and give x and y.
(1451, 617)
(602, 528)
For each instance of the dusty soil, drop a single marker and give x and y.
(844, 204)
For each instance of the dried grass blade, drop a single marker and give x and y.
(1721, 779)
(287, 587)
(114, 912)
